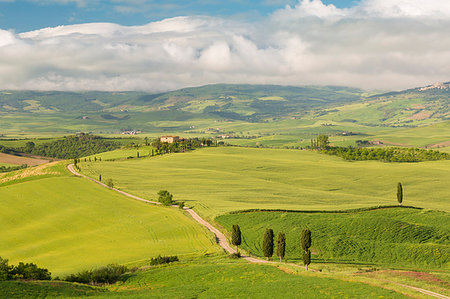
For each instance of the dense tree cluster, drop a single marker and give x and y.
(387, 154)
(22, 271)
(165, 197)
(73, 146)
(181, 145)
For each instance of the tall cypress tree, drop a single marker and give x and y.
(268, 243)
(306, 244)
(399, 193)
(281, 245)
(236, 236)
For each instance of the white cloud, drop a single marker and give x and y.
(378, 44)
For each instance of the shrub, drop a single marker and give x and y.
(5, 269)
(163, 260)
(181, 204)
(107, 274)
(109, 183)
(235, 255)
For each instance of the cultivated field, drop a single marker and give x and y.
(19, 160)
(404, 237)
(68, 224)
(219, 180)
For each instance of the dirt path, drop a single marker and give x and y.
(220, 237)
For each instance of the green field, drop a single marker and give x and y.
(67, 224)
(210, 278)
(219, 180)
(392, 237)
(124, 153)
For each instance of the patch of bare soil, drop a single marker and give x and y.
(420, 116)
(19, 160)
(381, 142)
(442, 144)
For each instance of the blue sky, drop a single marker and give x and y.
(27, 15)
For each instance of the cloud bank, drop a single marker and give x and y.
(378, 44)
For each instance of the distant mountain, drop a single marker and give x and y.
(198, 109)
(238, 102)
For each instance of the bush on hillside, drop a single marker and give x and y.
(22, 271)
(103, 275)
(165, 197)
(163, 260)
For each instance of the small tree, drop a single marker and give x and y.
(399, 193)
(165, 197)
(5, 269)
(236, 236)
(181, 204)
(109, 183)
(306, 244)
(281, 245)
(137, 155)
(322, 141)
(268, 243)
(99, 177)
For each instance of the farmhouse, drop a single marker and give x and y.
(169, 139)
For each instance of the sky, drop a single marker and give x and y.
(155, 45)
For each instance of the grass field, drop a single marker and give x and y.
(124, 153)
(215, 277)
(393, 237)
(45, 289)
(67, 224)
(219, 180)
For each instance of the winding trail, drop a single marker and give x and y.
(220, 237)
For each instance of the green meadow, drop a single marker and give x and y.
(211, 277)
(67, 224)
(218, 180)
(404, 237)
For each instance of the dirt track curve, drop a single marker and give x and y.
(220, 237)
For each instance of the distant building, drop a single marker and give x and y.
(169, 139)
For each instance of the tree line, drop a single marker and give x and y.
(69, 147)
(22, 271)
(181, 145)
(268, 243)
(386, 154)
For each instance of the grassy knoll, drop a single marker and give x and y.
(230, 279)
(211, 278)
(219, 277)
(44, 289)
(394, 236)
(67, 224)
(218, 180)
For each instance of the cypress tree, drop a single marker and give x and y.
(100, 177)
(236, 236)
(399, 193)
(268, 243)
(306, 243)
(281, 245)
(138, 154)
